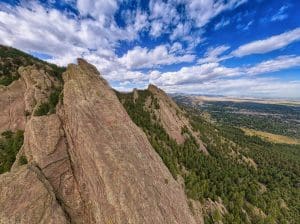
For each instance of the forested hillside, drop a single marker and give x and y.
(256, 181)
(12, 59)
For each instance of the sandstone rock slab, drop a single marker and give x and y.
(26, 197)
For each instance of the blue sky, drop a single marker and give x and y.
(219, 47)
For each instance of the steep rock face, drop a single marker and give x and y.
(30, 194)
(169, 114)
(27, 197)
(45, 145)
(38, 85)
(12, 106)
(19, 99)
(172, 117)
(121, 178)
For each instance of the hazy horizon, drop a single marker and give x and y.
(236, 48)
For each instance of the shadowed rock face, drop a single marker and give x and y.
(88, 163)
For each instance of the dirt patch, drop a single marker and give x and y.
(281, 139)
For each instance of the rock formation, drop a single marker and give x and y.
(12, 106)
(27, 197)
(87, 162)
(172, 118)
(120, 177)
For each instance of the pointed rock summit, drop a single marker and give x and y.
(121, 178)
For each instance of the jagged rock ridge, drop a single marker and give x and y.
(172, 118)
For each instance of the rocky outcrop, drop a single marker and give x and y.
(197, 209)
(120, 176)
(38, 86)
(27, 197)
(18, 100)
(169, 114)
(173, 118)
(12, 106)
(38, 193)
(45, 145)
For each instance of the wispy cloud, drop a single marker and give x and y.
(273, 65)
(270, 44)
(213, 54)
(281, 14)
(247, 26)
(66, 38)
(203, 11)
(222, 23)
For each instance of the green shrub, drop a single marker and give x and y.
(42, 110)
(57, 71)
(49, 107)
(157, 135)
(54, 99)
(8, 79)
(23, 160)
(10, 144)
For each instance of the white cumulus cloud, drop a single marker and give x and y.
(140, 57)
